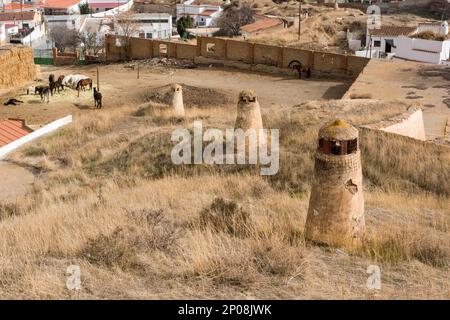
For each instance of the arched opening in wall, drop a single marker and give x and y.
(210, 47)
(163, 49)
(337, 147)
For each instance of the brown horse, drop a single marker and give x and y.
(81, 85)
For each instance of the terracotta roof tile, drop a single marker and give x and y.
(261, 25)
(11, 16)
(60, 4)
(11, 130)
(393, 31)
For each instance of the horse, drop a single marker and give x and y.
(82, 85)
(51, 83)
(297, 65)
(97, 98)
(45, 92)
(57, 85)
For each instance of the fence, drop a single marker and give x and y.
(236, 52)
(43, 56)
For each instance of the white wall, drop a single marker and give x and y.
(412, 127)
(33, 135)
(422, 50)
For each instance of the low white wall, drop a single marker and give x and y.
(35, 134)
(412, 126)
(422, 50)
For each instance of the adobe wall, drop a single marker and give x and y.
(16, 65)
(239, 51)
(141, 48)
(186, 51)
(257, 56)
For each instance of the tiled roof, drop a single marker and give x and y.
(393, 31)
(17, 6)
(104, 4)
(208, 13)
(11, 130)
(261, 25)
(11, 16)
(60, 4)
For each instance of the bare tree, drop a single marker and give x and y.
(127, 27)
(93, 42)
(63, 37)
(234, 17)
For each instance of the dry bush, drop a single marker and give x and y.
(9, 209)
(430, 35)
(405, 245)
(226, 216)
(361, 96)
(147, 230)
(243, 262)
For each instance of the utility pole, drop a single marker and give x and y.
(98, 80)
(299, 18)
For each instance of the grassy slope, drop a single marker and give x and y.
(110, 200)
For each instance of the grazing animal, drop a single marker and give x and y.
(51, 78)
(296, 65)
(56, 85)
(82, 85)
(60, 81)
(38, 89)
(13, 102)
(45, 93)
(97, 98)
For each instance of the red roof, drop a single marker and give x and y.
(60, 4)
(208, 13)
(393, 31)
(11, 16)
(261, 25)
(104, 4)
(17, 6)
(11, 130)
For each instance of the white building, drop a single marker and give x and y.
(23, 20)
(422, 50)
(384, 40)
(402, 42)
(105, 5)
(203, 15)
(149, 26)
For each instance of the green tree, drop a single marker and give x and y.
(84, 8)
(184, 23)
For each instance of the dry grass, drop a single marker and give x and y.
(109, 200)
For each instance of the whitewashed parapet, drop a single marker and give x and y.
(35, 134)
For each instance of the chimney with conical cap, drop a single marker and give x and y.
(336, 206)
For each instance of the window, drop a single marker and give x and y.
(377, 43)
(210, 47)
(338, 147)
(149, 35)
(163, 49)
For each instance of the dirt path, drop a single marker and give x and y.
(15, 181)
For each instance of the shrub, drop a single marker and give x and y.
(226, 216)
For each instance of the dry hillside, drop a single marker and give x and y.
(107, 197)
